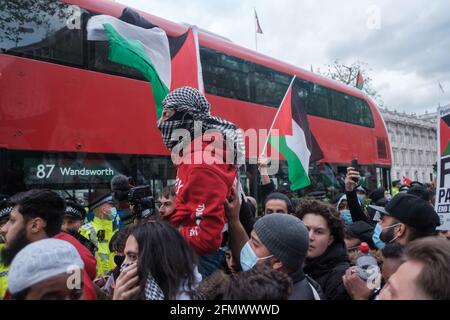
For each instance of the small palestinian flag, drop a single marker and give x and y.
(291, 136)
(406, 181)
(359, 81)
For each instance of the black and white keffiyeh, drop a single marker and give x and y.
(152, 290)
(191, 107)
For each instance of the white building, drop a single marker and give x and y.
(414, 145)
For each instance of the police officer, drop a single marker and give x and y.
(73, 224)
(100, 229)
(5, 211)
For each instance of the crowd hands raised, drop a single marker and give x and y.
(307, 251)
(207, 240)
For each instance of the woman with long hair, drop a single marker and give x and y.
(159, 265)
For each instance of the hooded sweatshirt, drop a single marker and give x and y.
(202, 187)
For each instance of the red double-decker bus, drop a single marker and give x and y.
(70, 119)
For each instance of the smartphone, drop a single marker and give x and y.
(356, 167)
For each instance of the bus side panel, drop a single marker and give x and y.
(45, 106)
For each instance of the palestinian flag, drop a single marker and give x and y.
(291, 136)
(359, 81)
(406, 181)
(137, 43)
(444, 135)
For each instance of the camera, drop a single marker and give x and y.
(142, 201)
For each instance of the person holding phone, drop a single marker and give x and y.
(351, 183)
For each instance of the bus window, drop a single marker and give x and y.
(225, 76)
(42, 29)
(98, 61)
(339, 106)
(235, 78)
(318, 104)
(270, 86)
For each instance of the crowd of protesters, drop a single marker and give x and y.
(208, 240)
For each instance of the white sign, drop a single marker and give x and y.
(442, 205)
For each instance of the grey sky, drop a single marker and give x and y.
(408, 47)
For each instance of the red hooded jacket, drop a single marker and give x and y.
(203, 183)
(90, 265)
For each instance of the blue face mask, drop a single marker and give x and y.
(376, 237)
(249, 257)
(347, 216)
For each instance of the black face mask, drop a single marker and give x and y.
(118, 260)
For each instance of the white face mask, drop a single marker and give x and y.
(112, 214)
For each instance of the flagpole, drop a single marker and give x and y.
(256, 37)
(276, 115)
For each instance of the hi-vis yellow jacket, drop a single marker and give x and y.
(3, 276)
(100, 232)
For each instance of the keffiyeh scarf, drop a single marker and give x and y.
(191, 107)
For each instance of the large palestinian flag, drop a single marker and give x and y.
(137, 43)
(291, 136)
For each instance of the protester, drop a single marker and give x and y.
(379, 196)
(327, 257)
(158, 265)
(393, 256)
(5, 211)
(444, 234)
(37, 215)
(279, 241)
(204, 179)
(406, 218)
(361, 192)
(47, 269)
(420, 191)
(277, 202)
(101, 228)
(344, 212)
(424, 275)
(357, 233)
(230, 264)
(267, 186)
(259, 283)
(166, 202)
(355, 210)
